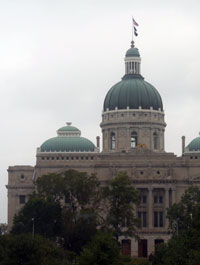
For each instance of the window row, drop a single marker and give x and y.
(158, 219)
(68, 158)
(142, 246)
(133, 140)
(194, 157)
(158, 199)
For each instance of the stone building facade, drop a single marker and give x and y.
(133, 129)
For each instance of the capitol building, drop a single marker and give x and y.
(133, 141)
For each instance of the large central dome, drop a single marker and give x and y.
(133, 113)
(132, 91)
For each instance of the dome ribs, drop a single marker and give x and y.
(133, 93)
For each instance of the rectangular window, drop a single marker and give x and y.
(22, 199)
(158, 219)
(160, 199)
(139, 214)
(161, 219)
(144, 199)
(143, 218)
(155, 219)
(155, 199)
(112, 138)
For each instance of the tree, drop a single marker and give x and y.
(120, 197)
(79, 190)
(3, 229)
(42, 216)
(184, 223)
(64, 208)
(24, 250)
(51, 187)
(81, 210)
(102, 250)
(184, 216)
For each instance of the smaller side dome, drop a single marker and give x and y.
(68, 140)
(194, 145)
(67, 144)
(132, 52)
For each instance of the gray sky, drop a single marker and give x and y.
(59, 58)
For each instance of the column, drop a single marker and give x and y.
(151, 245)
(150, 207)
(173, 195)
(134, 247)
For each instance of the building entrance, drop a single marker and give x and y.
(126, 247)
(142, 248)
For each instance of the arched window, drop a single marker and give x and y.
(133, 139)
(112, 141)
(155, 140)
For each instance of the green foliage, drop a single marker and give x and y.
(51, 187)
(24, 250)
(184, 216)
(139, 261)
(3, 229)
(78, 230)
(72, 224)
(69, 207)
(102, 250)
(184, 246)
(46, 214)
(120, 197)
(83, 190)
(181, 249)
(81, 211)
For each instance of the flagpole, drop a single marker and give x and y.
(132, 42)
(132, 28)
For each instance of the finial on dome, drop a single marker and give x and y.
(132, 44)
(68, 123)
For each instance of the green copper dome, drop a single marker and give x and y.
(194, 145)
(132, 52)
(133, 92)
(68, 140)
(67, 144)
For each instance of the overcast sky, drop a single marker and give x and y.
(59, 58)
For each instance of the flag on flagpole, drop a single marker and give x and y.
(135, 31)
(134, 22)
